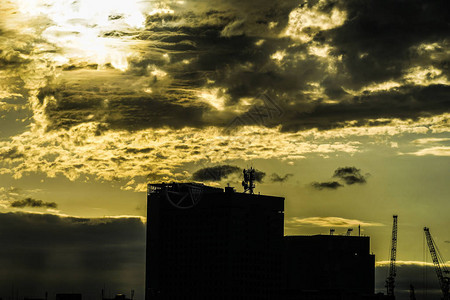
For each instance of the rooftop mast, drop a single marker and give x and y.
(249, 180)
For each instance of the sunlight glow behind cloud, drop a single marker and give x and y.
(79, 27)
(305, 19)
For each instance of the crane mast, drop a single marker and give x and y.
(441, 270)
(390, 281)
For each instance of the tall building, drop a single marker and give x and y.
(205, 242)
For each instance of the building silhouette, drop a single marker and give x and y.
(118, 297)
(205, 242)
(328, 267)
(67, 296)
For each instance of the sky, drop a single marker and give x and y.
(343, 107)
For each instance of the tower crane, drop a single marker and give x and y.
(390, 281)
(441, 269)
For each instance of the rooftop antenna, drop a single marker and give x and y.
(249, 180)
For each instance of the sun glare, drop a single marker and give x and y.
(84, 30)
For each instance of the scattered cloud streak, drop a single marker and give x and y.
(437, 146)
(277, 178)
(30, 202)
(80, 151)
(332, 185)
(433, 151)
(425, 141)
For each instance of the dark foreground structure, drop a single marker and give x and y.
(209, 243)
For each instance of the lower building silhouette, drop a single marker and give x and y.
(68, 296)
(118, 297)
(328, 267)
(209, 243)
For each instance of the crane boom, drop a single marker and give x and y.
(441, 270)
(390, 281)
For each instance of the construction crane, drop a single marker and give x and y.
(390, 281)
(441, 269)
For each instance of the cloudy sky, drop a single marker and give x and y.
(343, 107)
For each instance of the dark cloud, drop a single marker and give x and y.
(409, 274)
(118, 107)
(326, 185)
(138, 150)
(182, 147)
(91, 253)
(220, 172)
(259, 175)
(215, 173)
(131, 110)
(350, 175)
(115, 17)
(219, 50)
(289, 83)
(12, 59)
(408, 102)
(277, 178)
(376, 42)
(30, 202)
(231, 48)
(218, 44)
(79, 66)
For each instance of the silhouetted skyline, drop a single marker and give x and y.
(342, 107)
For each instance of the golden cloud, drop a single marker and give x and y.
(328, 222)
